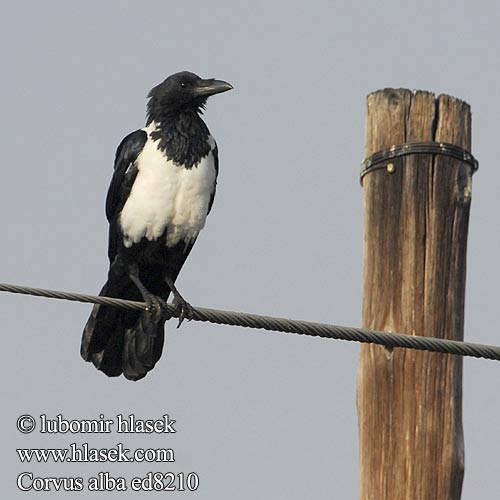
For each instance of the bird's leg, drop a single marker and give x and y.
(183, 307)
(155, 304)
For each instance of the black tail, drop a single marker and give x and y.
(122, 340)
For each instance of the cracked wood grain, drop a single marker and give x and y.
(416, 224)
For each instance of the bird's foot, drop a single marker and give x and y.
(183, 309)
(156, 307)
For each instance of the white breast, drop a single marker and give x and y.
(167, 196)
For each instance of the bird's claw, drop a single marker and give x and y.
(183, 309)
(156, 307)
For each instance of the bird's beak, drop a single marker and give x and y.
(205, 88)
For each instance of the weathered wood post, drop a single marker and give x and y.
(416, 223)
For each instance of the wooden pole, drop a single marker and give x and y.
(416, 222)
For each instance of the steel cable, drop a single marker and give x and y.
(271, 323)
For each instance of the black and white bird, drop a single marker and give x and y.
(162, 190)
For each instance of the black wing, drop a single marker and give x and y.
(122, 182)
(215, 153)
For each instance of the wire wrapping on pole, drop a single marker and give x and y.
(285, 325)
(377, 159)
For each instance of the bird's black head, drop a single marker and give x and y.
(182, 91)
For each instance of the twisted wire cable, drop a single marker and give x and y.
(271, 323)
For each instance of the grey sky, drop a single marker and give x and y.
(260, 416)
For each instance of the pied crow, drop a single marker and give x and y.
(161, 192)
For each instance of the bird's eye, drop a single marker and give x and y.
(183, 84)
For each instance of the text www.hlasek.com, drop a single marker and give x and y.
(84, 453)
